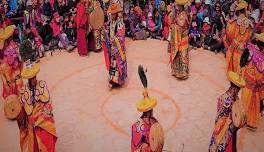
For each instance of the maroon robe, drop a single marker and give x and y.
(81, 22)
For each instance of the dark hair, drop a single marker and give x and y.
(242, 11)
(147, 113)
(30, 35)
(244, 58)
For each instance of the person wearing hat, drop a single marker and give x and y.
(35, 121)
(140, 141)
(224, 134)
(10, 65)
(252, 61)
(179, 57)
(81, 23)
(238, 32)
(206, 33)
(114, 48)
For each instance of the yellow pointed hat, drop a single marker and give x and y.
(236, 79)
(181, 2)
(260, 37)
(242, 5)
(114, 8)
(5, 33)
(147, 103)
(30, 70)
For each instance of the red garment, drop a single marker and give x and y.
(81, 22)
(260, 24)
(55, 28)
(166, 24)
(140, 135)
(6, 23)
(81, 42)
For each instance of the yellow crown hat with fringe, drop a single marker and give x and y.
(181, 2)
(236, 79)
(260, 37)
(241, 5)
(30, 70)
(5, 33)
(147, 103)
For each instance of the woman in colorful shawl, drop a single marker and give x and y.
(11, 66)
(81, 22)
(253, 73)
(238, 32)
(35, 121)
(179, 57)
(114, 48)
(225, 133)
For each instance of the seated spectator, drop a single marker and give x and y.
(38, 42)
(138, 31)
(156, 31)
(126, 22)
(206, 33)
(59, 34)
(217, 43)
(208, 10)
(61, 7)
(45, 31)
(198, 9)
(194, 35)
(231, 15)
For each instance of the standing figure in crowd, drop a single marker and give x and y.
(30, 15)
(35, 121)
(225, 133)
(94, 37)
(10, 65)
(252, 60)
(81, 23)
(238, 32)
(179, 57)
(114, 48)
(140, 141)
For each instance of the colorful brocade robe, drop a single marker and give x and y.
(224, 132)
(113, 44)
(238, 33)
(179, 53)
(140, 136)
(253, 92)
(36, 122)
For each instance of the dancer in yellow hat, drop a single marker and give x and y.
(35, 121)
(141, 129)
(114, 47)
(224, 134)
(10, 65)
(179, 43)
(238, 32)
(252, 60)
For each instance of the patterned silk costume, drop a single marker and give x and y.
(179, 57)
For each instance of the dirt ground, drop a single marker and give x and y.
(91, 118)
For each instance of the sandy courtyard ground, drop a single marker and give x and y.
(91, 118)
